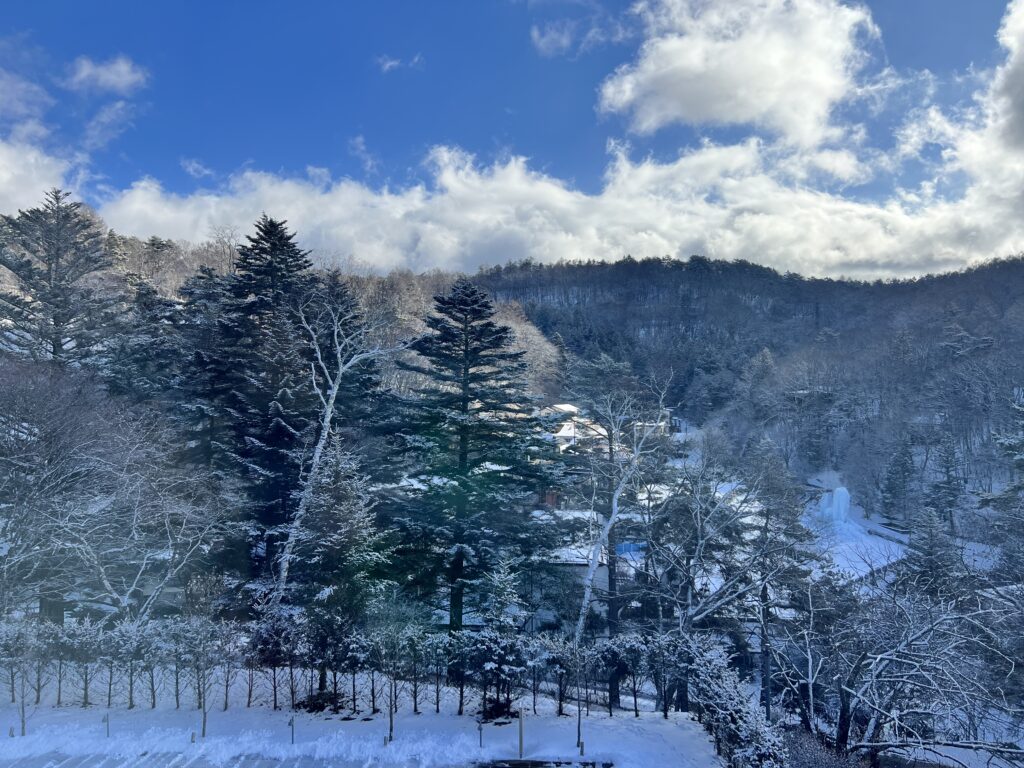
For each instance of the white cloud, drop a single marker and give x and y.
(26, 172)
(194, 168)
(21, 99)
(358, 149)
(108, 123)
(553, 38)
(770, 200)
(721, 201)
(119, 75)
(388, 64)
(776, 64)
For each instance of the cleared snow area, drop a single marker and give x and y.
(70, 737)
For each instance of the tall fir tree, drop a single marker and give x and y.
(268, 399)
(477, 445)
(55, 253)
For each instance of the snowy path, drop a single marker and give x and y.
(260, 738)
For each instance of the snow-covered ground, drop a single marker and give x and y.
(71, 736)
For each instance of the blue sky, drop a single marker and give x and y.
(815, 135)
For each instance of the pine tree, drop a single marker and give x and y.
(54, 254)
(476, 443)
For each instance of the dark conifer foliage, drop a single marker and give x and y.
(897, 490)
(206, 377)
(143, 361)
(265, 362)
(476, 440)
(59, 310)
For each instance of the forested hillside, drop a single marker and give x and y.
(840, 374)
(790, 507)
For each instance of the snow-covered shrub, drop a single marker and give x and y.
(353, 658)
(413, 638)
(83, 640)
(277, 644)
(664, 660)
(631, 655)
(737, 724)
(128, 644)
(558, 662)
(498, 662)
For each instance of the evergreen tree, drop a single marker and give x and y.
(945, 494)
(896, 495)
(54, 254)
(206, 376)
(933, 564)
(143, 360)
(476, 443)
(268, 398)
(339, 561)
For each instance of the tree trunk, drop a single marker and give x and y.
(844, 723)
(456, 587)
(766, 657)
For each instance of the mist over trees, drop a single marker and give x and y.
(588, 481)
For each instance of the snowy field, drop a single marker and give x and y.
(70, 737)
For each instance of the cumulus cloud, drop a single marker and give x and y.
(776, 64)
(119, 75)
(722, 201)
(26, 172)
(776, 197)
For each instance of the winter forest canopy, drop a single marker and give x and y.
(792, 507)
